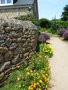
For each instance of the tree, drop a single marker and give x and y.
(44, 23)
(65, 14)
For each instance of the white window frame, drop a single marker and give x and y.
(6, 3)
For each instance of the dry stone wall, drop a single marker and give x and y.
(18, 40)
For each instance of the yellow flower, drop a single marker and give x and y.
(37, 83)
(46, 87)
(31, 74)
(28, 73)
(30, 88)
(46, 68)
(31, 71)
(39, 89)
(45, 56)
(40, 81)
(47, 79)
(26, 68)
(34, 85)
(18, 67)
(43, 75)
(41, 71)
(18, 79)
(39, 77)
(19, 86)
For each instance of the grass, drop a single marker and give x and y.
(36, 76)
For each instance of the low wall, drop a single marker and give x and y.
(18, 40)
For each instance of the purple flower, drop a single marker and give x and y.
(61, 32)
(46, 36)
(43, 37)
(65, 35)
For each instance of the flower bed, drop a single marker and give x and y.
(34, 76)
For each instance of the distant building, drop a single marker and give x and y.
(13, 8)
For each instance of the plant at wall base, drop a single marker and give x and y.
(36, 76)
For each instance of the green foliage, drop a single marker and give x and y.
(47, 49)
(64, 24)
(35, 76)
(44, 23)
(65, 13)
(28, 17)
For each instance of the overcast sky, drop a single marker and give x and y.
(51, 8)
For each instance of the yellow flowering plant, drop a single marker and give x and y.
(36, 75)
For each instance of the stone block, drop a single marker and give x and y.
(4, 66)
(8, 56)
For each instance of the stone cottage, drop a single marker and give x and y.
(13, 8)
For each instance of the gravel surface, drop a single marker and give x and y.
(59, 64)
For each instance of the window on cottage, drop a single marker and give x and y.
(2, 1)
(8, 1)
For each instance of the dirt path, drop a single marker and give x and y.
(59, 64)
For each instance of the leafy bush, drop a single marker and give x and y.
(43, 37)
(47, 49)
(65, 35)
(61, 32)
(44, 23)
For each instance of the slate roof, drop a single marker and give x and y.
(24, 2)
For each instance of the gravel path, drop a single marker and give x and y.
(59, 64)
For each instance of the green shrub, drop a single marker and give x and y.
(61, 24)
(47, 49)
(44, 23)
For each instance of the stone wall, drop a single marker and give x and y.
(11, 12)
(18, 40)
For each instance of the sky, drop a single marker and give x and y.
(51, 8)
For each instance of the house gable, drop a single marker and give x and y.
(18, 7)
